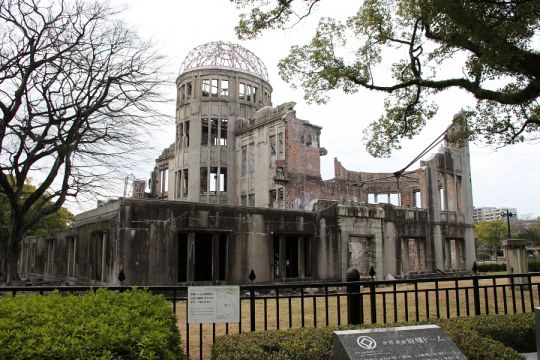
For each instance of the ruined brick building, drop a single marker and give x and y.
(241, 189)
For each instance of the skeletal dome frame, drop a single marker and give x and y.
(228, 55)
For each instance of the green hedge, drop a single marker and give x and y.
(482, 337)
(484, 267)
(534, 265)
(105, 325)
(515, 331)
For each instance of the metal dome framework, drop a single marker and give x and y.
(228, 55)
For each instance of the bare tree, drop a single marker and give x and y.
(77, 89)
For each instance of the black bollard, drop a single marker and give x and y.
(353, 297)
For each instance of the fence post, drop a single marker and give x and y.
(353, 297)
(476, 290)
(252, 307)
(372, 298)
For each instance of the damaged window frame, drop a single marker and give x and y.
(251, 158)
(273, 153)
(185, 179)
(224, 88)
(241, 91)
(244, 151)
(205, 88)
(214, 87)
(223, 131)
(204, 131)
(214, 134)
(189, 89)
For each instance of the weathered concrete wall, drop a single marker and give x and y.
(142, 240)
(151, 241)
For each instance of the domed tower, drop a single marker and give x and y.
(219, 87)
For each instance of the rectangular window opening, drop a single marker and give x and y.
(185, 182)
(206, 88)
(183, 92)
(272, 198)
(244, 160)
(273, 152)
(164, 180)
(251, 158)
(251, 200)
(186, 128)
(224, 88)
(180, 134)
(189, 89)
(214, 88)
(214, 178)
(417, 199)
(243, 200)
(178, 184)
(204, 131)
(248, 92)
(442, 199)
(394, 199)
(241, 91)
(223, 179)
(223, 132)
(204, 180)
(371, 199)
(214, 132)
(281, 147)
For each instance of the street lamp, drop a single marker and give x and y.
(508, 215)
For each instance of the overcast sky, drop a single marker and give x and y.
(503, 177)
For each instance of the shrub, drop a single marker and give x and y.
(515, 331)
(534, 265)
(104, 324)
(491, 267)
(483, 337)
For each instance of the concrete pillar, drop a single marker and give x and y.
(389, 256)
(516, 258)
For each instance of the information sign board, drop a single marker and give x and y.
(213, 304)
(428, 342)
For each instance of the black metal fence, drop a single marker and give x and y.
(291, 305)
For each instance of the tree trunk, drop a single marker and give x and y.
(11, 259)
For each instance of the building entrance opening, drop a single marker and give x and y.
(277, 273)
(291, 257)
(203, 257)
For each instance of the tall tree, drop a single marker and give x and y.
(52, 222)
(76, 91)
(490, 234)
(494, 41)
(528, 230)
